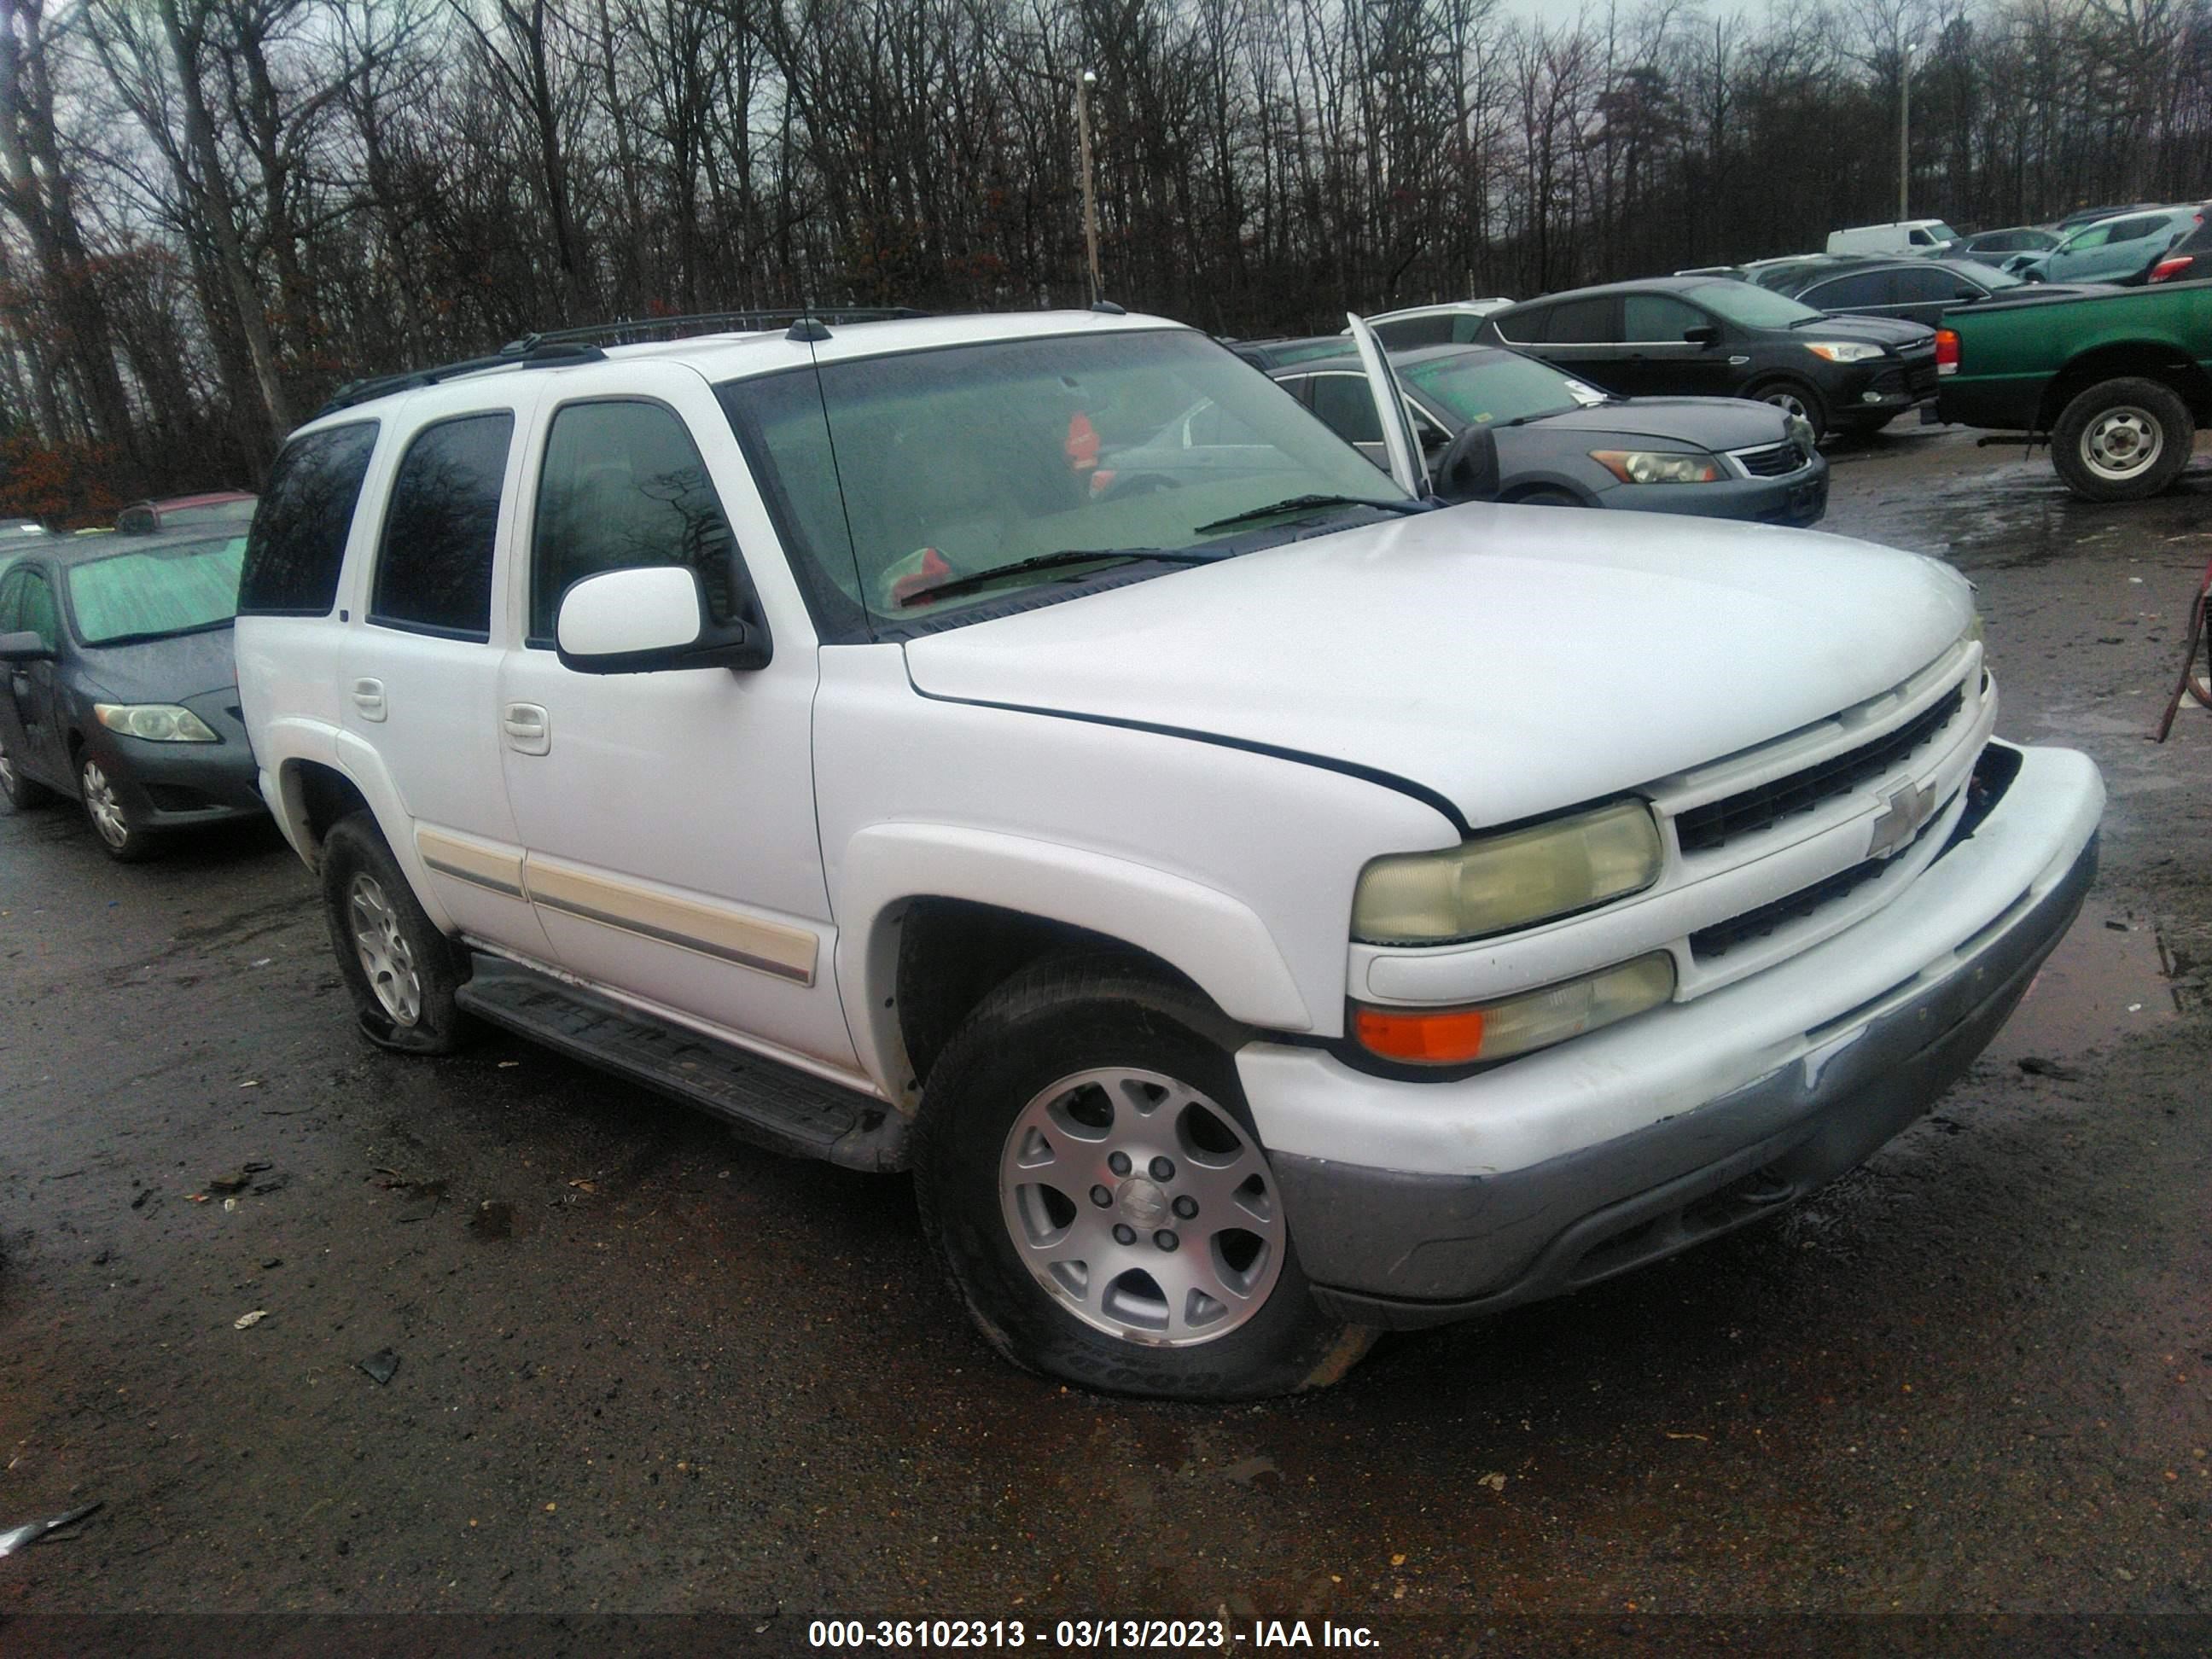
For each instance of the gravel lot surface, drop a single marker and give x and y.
(663, 1372)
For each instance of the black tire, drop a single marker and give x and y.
(116, 830)
(1795, 397)
(2122, 439)
(1547, 498)
(1060, 1018)
(428, 1022)
(24, 794)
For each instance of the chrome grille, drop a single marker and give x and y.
(1775, 461)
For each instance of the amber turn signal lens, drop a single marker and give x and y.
(1449, 1036)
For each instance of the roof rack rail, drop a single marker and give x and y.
(520, 355)
(632, 331)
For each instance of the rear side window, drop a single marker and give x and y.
(298, 536)
(434, 571)
(1580, 322)
(624, 485)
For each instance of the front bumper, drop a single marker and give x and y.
(1415, 1203)
(1797, 499)
(176, 785)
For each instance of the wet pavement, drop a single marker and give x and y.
(641, 1368)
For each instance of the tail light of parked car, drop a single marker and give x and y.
(1946, 351)
(2174, 265)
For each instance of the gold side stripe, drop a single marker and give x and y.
(787, 952)
(469, 861)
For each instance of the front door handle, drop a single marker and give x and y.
(368, 698)
(527, 727)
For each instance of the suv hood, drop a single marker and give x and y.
(1514, 660)
(1891, 331)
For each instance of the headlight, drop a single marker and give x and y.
(156, 722)
(1843, 351)
(1534, 1019)
(1503, 882)
(1646, 466)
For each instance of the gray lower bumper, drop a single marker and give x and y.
(1401, 1250)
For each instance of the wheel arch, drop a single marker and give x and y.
(2138, 359)
(932, 917)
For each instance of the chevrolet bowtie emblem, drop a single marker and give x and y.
(1908, 809)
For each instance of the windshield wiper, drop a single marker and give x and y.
(1067, 555)
(148, 636)
(1298, 503)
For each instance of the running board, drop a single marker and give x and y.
(771, 1105)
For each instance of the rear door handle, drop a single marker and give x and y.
(368, 698)
(527, 727)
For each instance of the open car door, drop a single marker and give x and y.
(1407, 465)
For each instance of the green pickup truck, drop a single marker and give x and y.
(2119, 382)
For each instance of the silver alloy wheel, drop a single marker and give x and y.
(1142, 1207)
(102, 807)
(7, 769)
(1790, 404)
(2122, 443)
(386, 955)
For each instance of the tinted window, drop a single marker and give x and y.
(1933, 286)
(298, 536)
(1465, 328)
(1524, 326)
(434, 570)
(1580, 322)
(38, 614)
(1415, 331)
(623, 486)
(1344, 402)
(1649, 317)
(1861, 288)
(11, 587)
(2132, 230)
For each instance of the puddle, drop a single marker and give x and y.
(2111, 976)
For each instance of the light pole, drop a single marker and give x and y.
(1089, 198)
(1904, 130)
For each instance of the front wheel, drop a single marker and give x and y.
(1090, 1178)
(2122, 439)
(117, 829)
(1792, 399)
(402, 972)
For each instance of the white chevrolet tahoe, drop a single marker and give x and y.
(1258, 909)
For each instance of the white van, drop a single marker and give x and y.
(1907, 236)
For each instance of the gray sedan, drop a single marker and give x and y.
(1563, 443)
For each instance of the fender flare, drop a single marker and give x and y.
(1215, 940)
(293, 743)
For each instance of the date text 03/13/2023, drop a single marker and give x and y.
(1082, 1634)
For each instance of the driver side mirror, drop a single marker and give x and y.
(1705, 334)
(1469, 471)
(649, 618)
(26, 646)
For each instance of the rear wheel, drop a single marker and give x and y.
(1793, 398)
(117, 829)
(1093, 1184)
(2122, 439)
(21, 793)
(402, 972)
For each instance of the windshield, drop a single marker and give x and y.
(894, 474)
(157, 592)
(1749, 307)
(1491, 387)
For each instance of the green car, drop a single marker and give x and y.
(2120, 382)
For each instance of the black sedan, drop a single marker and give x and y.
(1712, 337)
(1562, 442)
(121, 690)
(1913, 290)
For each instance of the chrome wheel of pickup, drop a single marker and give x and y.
(1141, 1206)
(386, 955)
(2121, 443)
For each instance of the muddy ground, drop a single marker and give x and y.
(1976, 1377)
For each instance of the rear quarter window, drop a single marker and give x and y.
(297, 546)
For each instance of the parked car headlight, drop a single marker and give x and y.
(1534, 1019)
(156, 722)
(1646, 466)
(1843, 351)
(1496, 883)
